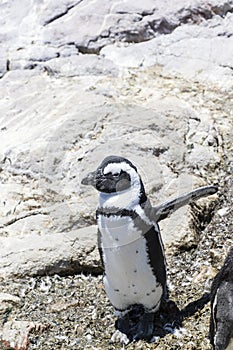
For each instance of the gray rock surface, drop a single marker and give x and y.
(190, 37)
(200, 51)
(69, 97)
(58, 253)
(51, 138)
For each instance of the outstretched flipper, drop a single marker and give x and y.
(163, 210)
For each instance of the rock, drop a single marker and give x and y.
(184, 227)
(15, 333)
(7, 302)
(37, 33)
(5, 297)
(82, 65)
(69, 98)
(45, 153)
(209, 47)
(206, 274)
(224, 211)
(32, 254)
(3, 66)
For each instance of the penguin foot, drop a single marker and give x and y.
(145, 327)
(119, 337)
(127, 323)
(123, 324)
(137, 324)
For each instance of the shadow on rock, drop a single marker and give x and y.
(170, 317)
(168, 320)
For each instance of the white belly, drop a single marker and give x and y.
(129, 277)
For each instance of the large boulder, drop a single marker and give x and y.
(69, 98)
(190, 37)
(56, 130)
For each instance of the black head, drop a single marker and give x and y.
(115, 174)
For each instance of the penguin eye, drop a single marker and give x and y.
(114, 175)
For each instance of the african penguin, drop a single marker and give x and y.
(130, 244)
(221, 320)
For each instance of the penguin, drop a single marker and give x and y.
(221, 320)
(130, 244)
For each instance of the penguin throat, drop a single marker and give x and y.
(127, 199)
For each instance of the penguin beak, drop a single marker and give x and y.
(90, 179)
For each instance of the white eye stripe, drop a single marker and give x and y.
(112, 174)
(123, 166)
(113, 170)
(116, 168)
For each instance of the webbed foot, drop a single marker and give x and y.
(145, 327)
(136, 324)
(123, 324)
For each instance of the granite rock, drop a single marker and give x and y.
(190, 37)
(69, 97)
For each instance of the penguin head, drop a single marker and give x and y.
(115, 175)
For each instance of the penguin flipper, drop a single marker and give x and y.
(100, 248)
(164, 210)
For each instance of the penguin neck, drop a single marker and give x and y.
(127, 199)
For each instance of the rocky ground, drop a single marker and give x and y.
(74, 312)
(151, 82)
